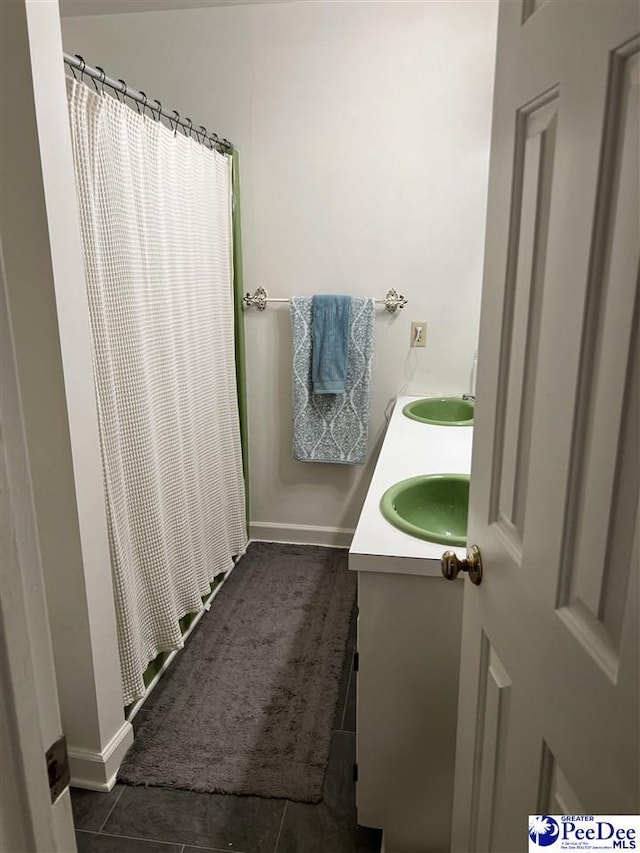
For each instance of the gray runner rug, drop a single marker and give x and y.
(248, 706)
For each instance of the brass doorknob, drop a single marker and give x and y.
(452, 566)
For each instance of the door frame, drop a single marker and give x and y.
(27, 675)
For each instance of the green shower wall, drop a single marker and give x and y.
(238, 289)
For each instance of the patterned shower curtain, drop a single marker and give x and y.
(155, 212)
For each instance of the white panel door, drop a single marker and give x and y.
(548, 712)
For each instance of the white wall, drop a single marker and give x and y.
(363, 131)
(48, 322)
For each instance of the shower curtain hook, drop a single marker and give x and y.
(83, 65)
(176, 120)
(203, 129)
(159, 103)
(186, 118)
(144, 106)
(103, 77)
(124, 90)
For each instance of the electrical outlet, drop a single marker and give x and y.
(418, 334)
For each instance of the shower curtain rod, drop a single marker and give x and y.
(120, 87)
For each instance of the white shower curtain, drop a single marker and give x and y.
(155, 213)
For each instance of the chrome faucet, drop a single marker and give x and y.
(469, 397)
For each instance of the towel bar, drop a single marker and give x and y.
(259, 298)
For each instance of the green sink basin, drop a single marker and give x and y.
(443, 411)
(432, 507)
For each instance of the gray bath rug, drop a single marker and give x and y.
(248, 706)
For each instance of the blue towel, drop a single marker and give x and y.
(330, 350)
(332, 427)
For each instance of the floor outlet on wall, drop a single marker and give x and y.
(418, 334)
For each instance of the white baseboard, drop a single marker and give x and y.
(97, 771)
(299, 534)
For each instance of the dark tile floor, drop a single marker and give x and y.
(158, 820)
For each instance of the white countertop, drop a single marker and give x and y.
(410, 448)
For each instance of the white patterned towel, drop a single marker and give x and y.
(332, 427)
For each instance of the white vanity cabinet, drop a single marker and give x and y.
(409, 637)
(407, 695)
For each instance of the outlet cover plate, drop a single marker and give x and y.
(418, 334)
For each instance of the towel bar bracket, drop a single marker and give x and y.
(259, 298)
(394, 300)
